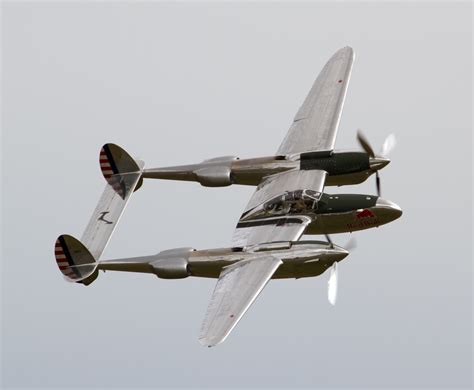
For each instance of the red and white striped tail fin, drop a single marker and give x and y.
(74, 260)
(115, 164)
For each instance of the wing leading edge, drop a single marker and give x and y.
(237, 288)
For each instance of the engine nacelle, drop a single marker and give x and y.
(215, 175)
(177, 268)
(172, 263)
(222, 159)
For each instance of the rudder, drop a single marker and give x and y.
(74, 260)
(115, 164)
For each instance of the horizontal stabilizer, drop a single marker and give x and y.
(123, 175)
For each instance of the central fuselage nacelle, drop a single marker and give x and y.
(338, 213)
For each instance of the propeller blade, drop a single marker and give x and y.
(388, 145)
(377, 183)
(329, 240)
(364, 143)
(351, 244)
(332, 284)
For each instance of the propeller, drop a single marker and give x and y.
(351, 244)
(333, 276)
(364, 143)
(388, 145)
(328, 238)
(332, 284)
(377, 161)
(378, 186)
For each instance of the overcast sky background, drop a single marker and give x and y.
(178, 83)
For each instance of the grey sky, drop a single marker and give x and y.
(176, 83)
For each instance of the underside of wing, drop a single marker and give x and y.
(314, 127)
(237, 288)
(265, 230)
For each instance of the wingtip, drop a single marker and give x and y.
(211, 341)
(346, 52)
(206, 343)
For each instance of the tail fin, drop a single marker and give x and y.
(116, 161)
(74, 260)
(123, 175)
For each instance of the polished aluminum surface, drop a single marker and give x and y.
(270, 230)
(237, 288)
(118, 190)
(316, 122)
(274, 198)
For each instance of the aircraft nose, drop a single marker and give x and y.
(377, 163)
(391, 209)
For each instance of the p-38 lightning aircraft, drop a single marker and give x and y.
(287, 203)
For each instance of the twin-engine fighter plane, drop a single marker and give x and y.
(288, 202)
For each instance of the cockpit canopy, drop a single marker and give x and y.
(299, 201)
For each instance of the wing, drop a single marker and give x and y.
(315, 124)
(262, 222)
(237, 287)
(264, 230)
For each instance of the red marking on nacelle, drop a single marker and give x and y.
(366, 213)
